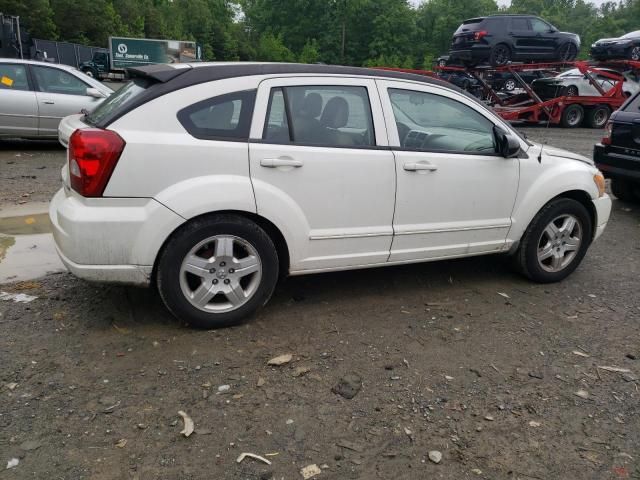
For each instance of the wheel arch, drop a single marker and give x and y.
(282, 248)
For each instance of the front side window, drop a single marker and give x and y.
(13, 77)
(520, 24)
(55, 80)
(226, 117)
(430, 122)
(332, 116)
(539, 26)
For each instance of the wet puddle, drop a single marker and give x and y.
(27, 249)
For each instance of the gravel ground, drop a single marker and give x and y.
(505, 378)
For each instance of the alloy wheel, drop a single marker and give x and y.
(510, 85)
(220, 274)
(501, 55)
(559, 243)
(635, 54)
(568, 52)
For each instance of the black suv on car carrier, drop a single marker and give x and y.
(500, 39)
(618, 154)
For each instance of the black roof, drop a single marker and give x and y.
(167, 78)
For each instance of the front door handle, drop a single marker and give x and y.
(420, 166)
(48, 102)
(280, 162)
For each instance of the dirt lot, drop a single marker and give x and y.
(500, 375)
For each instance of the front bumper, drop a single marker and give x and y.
(609, 51)
(603, 211)
(112, 240)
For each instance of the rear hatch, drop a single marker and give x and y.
(625, 135)
(464, 36)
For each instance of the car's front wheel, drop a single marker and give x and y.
(634, 53)
(556, 241)
(217, 270)
(567, 52)
(510, 85)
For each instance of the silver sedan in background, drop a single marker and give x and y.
(35, 96)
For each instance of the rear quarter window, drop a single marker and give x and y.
(633, 105)
(225, 117)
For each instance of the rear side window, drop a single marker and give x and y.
(519, 24)
(226, 117)
(119, 99)
(13, 77)
(470, 25)
(633, 105)
(332, 116)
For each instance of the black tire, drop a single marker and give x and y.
(510, 85)
(625, 190)
(500, 55)
(181, 243)
(598, 116)
(571, 91)
(567, 52)
(527, 254)
(634, 53)
(572, 116)
(89, 73)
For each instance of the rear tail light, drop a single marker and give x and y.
(93, 154)
(608, 130)
(480, 35)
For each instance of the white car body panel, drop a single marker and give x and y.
(339, 211)
(463, 207)
(352, 224)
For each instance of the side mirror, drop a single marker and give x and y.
(95, 93)
(506, 144)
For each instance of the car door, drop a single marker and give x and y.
(523, 37)
(18, 106)
(546, 38)
(455, 194)
(59, 93)
(321, 168)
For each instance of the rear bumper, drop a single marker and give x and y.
(616, 165)
(110, 239)
(603, 211)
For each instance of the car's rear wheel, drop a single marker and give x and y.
(510, 85)
(598, 116)
(567, 52)
(625, 190)
(555, 242)
(634, 53)
(572, 116)
(500, 55)
(571, 91)
(217, 270)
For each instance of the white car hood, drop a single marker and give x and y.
(560, 153)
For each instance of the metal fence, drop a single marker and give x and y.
(63, 52)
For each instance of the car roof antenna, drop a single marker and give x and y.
(546, 130)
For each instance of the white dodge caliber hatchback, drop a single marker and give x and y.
(213, 180)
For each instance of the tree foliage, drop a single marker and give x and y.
(353, 32)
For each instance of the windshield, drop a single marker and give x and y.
(117, 100)
(632, 34)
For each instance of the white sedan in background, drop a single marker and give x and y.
(574, 83)
(35, 96)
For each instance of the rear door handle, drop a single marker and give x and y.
(420, 166)
(280, 162)
(48, 102)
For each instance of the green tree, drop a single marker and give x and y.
(36, 16)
